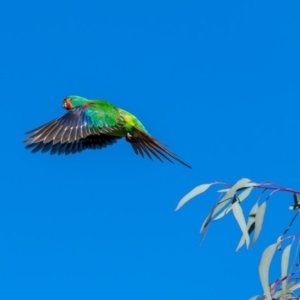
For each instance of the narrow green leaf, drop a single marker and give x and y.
(264, 267)
(242, 196)
(254, 297)
(277, 294)
(231, 192)
(205, 223)
(223, 213)
(213, 212)
(221, 204)
(244, 182)
(239, 184)
(194, 192)
(250, 222)
(250, 184)
(281, 294)
(223, 190)
(225, 200)
(259, 221)
(294, 287)
(239, 216)
(284, 266)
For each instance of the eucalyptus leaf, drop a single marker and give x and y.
(281, 294)
(220, 205)
(284, 266)
(242, 196)
(223, 213)
(278, 294)
(264, 267)
(239, 216)
(287, 293)
(231, 192)
(223, 190)
(242, 183)
(226, 199)
(294, 287)
(250, 184)
(250, 223)
(194, 192)
(259, 221)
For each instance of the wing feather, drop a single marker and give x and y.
(90, 142)
(78, 123)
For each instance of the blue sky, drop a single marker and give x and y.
(216, 81)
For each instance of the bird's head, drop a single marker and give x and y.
(73, 101)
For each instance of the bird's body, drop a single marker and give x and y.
(93, 124)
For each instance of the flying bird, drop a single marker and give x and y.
(95, 124)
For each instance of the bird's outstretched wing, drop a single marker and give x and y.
(90, 142)
(78, 123)
(142, 143)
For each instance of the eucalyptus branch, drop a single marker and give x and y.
(230, 199)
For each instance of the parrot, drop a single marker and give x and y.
(95, 124)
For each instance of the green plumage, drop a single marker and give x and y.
(94, 124)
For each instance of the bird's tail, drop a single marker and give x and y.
(142, 143)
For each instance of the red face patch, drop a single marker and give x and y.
(66, 104)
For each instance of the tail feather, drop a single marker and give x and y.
(147, 152)
(142, 143)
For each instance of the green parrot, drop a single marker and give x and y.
(94, 124)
